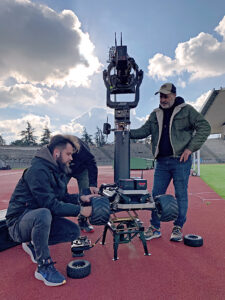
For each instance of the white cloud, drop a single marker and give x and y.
(221, 28)
(162, 67)
(72, 128)
(181, 83)
(202, 56)
(39, 45)
(200, 101)
(26, 94)
(11, 129)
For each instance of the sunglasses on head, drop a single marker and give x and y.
(163, 96)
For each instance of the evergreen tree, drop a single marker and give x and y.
(45, 138)
(87, 138)
(99, 138)
(28, 138)
(2, 141)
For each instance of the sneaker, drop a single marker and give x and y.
(152, 233)
(85, 226)
(47, 273)
(176, 235)
(29, 249)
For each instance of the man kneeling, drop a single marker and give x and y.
(39, 203)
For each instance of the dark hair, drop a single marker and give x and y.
(59, 141)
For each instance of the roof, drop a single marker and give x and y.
(214, 110)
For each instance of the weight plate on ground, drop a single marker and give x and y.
(193, 240)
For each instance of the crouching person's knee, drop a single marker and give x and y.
(43, 217)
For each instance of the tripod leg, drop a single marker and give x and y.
(116, 239)
(142, 237)
(104, 234)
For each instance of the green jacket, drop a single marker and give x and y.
(188, 129)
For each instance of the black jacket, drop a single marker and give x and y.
(82, 160)
(43, 185)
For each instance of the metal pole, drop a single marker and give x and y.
(122, 155)
(194, 157)
(198, 161)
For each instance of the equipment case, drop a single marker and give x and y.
(5, 239)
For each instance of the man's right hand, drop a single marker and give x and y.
(86, 211)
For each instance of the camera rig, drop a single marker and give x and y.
(121, 77)
(126, 194)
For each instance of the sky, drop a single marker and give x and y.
(53, 53)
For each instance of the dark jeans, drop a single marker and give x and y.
(168, 168)
(42, 229)
(83, 184)
(82, 180)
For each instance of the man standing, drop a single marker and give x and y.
(38, 205)
(84, 169)
(177, 130)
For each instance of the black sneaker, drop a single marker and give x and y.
(47, 273)
(29, 249)
(176, 235)
(84, 225)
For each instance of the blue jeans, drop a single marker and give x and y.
(168, 168)
(40, 227)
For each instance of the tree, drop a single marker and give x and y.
(87, 138)
(45, 138)
(2, 141)
(99, 138)
(17, 143)
(28, 138)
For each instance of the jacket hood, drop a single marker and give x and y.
(45, 154)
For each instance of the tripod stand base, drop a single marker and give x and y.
(123, 231)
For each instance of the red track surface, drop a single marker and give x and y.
(173, 271)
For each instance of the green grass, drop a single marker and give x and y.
(214, 176)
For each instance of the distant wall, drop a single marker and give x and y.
(20, 157)
(213, 151)
(17, 157)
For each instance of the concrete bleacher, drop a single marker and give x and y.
(213, 151)
(17, 157)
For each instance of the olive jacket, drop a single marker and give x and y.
(187, 129)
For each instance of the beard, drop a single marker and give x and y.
(62, 166)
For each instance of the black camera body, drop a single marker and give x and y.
(122, 77)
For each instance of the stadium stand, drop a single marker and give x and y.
(213, 151)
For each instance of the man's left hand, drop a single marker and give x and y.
(86, 198)
(185, 155)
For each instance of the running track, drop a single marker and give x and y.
(173, 271)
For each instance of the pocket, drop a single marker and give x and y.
(181, 122)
